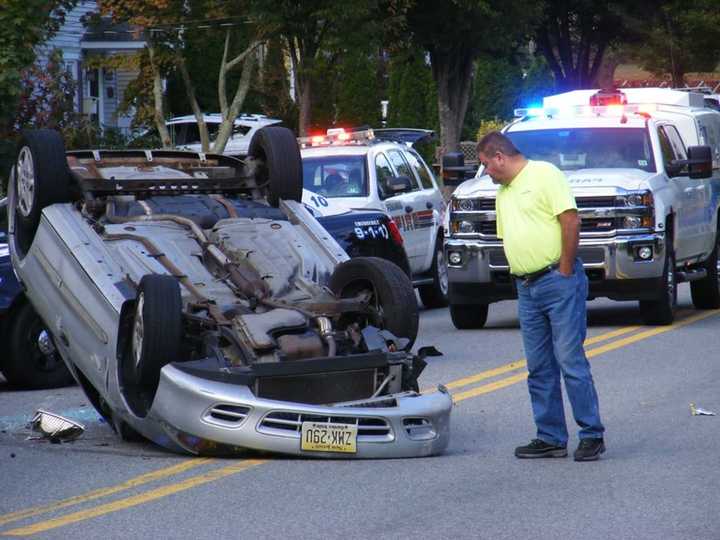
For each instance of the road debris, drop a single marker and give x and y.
(54, 427)
(699, 411)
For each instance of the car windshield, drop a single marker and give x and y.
(588, 148)
(188, 133)
(335, 176)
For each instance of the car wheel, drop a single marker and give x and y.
(156, 332)
(662, 310)
(391, 294)
(42, 178)
(706, 292)
(279, 168)
(32, 362)
(470, 316)
(435, 295)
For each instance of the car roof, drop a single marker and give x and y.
(216, 118)
(350, 149)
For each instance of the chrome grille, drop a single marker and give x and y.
(290, 424)
(588, 256)
(226, 414)
(595, 202)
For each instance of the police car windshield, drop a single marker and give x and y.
(588, 148)
(335, 176)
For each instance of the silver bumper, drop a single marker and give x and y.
(194, 414)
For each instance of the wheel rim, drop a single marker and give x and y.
(137, 341)
(45, 358)
(442, 272)
(25, 181)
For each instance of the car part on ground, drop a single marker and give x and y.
(268, 356)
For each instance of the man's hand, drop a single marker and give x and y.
(570, 226)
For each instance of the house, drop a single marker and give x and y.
(99, 90)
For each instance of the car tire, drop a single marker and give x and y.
(280, 167)
(156, 332)
(42, 177)
(392, 293)
(435, 295)
(32, 362)
(662, 310)
(705, 292)
(469, 316)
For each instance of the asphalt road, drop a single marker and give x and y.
(658, 479)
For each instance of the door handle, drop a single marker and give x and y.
(408, 209)
(429, 205)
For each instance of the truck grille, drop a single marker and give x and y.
(603, 224)
(587, 254)
(290, 424)
(595, 202)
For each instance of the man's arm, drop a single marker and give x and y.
(570, 227)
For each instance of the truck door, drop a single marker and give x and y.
(694, 198)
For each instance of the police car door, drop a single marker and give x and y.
(409, 204)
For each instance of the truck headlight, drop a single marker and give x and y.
(463, 226)
(632, 222)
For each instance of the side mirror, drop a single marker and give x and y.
(454, 170)
(699, 163)
(400, 184)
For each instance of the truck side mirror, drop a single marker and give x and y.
(400, 184)
(453, 168)
(700, 161)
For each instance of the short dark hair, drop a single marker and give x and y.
(496, 142)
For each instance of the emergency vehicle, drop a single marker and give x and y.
(643, 165)
(379, 170)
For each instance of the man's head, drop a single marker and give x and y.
(501, 159)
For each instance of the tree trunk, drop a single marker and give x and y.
(159, 114)
(606, 73)
(190, 93)
(304, 105)
(453, 74)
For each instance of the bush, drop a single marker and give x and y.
(486, 126)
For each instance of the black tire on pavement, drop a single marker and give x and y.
(661, 311)
(469, 316)
(42, 178)
(705, 292)
(156, 334)
(435, 295)
(31, 361)
(391, 289)
(280, 169)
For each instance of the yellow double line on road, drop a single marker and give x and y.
(242, 465)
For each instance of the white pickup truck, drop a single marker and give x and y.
(644, 166)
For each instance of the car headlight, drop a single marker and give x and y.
(632, 222)
(466, 227)
(634, 199)
(641, 198)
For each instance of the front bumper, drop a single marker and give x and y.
(201, 416)
(611, 264)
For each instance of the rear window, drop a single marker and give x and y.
(335, 176)
(588, 148)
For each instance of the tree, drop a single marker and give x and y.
(683, 36)
(313, 31)
(455, 33)
(411, 92)
(170, 26)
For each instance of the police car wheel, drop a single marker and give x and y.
(279, 170)
(706, 292)
(662, 310)
(435, 295)
(470, 316)
(391, 294)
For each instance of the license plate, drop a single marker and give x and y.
(322, 437)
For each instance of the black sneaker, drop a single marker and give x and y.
(589, 449)
(540, 449)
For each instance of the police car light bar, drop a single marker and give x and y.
(587, 110)
(337, 136)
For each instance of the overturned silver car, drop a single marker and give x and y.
(200, 305)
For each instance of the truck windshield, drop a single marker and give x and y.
(335, 176)
(588, 148)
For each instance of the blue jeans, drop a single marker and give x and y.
(553, 321)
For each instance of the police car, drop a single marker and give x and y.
(379, 170)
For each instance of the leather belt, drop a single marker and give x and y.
(532, 276)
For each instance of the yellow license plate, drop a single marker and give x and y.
(322, 437)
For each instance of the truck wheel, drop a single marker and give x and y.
(435, 295)
(42, 178)
(662, 310)
(155, 341)
(32, 362)
(391, 294)
(706, 292)
(468, 317)
(280, 167)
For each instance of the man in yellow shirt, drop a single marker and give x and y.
(538, 222)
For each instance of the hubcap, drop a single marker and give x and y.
(442, 272)
(25, 181)
(137, 342)
(45, 344)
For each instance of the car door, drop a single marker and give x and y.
(410, 202)
(693, 196)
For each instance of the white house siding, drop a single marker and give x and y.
(123, 78)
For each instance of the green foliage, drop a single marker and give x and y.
(412, 93)
(486, 126)
(273, 86)
(358, 92)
